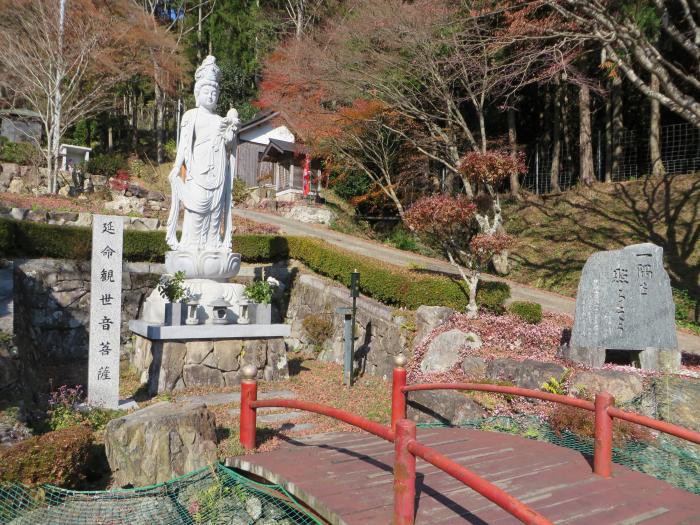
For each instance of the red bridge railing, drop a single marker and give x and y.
(402, 432)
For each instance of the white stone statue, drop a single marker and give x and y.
(201, 181)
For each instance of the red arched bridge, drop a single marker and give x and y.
(347, 477)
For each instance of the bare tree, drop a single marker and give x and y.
(167, 22)
(366, 143)
(303, 13)
(620, 29)
(63, 65)
(437, 66)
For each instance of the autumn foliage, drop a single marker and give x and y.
(491, 167)
(483, 246)
(442, 219)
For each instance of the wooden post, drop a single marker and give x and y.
(404, 473)
(398, 397)
(602, 454)
(249, 393)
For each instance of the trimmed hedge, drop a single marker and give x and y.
(528, 312)
(35, 239)
(386, 283)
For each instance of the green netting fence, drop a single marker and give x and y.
(212, 495)
(661, 458)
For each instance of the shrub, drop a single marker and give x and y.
(58, 457)
(528, 312)
(170, 148)
(260, 292)
(317, 329)
(106, 165)
(172, 288)
(350, 184)
(686, 306)
(403, 240)
(64, 413)
(62, 407)
(22, 153)
(240, 191)
(565, 418)
(137, 168)
(7, 237)
(386, 283)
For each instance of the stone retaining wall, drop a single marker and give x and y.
(33, 181)
(74, 218)
(52, 312)
(381, 334)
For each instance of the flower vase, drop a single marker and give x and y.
(260, 313)
(174, 314)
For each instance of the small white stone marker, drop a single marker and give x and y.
(105, 310)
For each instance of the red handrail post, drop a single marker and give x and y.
(249, 393)
(404, 473)
(602, 453)
(398, 396)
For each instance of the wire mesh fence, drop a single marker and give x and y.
(628, 158)
(661, 458)
(212, 495)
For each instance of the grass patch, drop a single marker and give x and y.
(556, 235)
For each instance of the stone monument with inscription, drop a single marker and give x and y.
(105, 310)
(624, 306)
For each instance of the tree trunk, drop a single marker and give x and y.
(159, 123)
(513, 143)
(585, 136)
(199, 34)
(134, 122)
(657, 165)
(608, 139)
(556, 137)
(482, 129)
(567, 162)
(110, 132)
(472, 308)
(616, 127)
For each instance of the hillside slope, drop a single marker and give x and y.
(556, 234)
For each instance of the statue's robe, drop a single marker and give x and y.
(205, 191)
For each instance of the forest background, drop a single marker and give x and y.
(394, 95)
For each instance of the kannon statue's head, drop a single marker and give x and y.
(206, 85)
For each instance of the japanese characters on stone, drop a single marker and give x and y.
(105, 311)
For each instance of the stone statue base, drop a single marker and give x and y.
(206, 264)
(203, 292)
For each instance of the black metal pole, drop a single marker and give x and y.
(354, 292)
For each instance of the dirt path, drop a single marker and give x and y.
(550, 301)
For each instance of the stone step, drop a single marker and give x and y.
(284, 394)
(224, 398)
(297, 427)
(267, 410)
(280, 417)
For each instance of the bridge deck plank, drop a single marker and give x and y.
(348, 477)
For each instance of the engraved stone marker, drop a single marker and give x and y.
(624, 302)
(105, 310)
